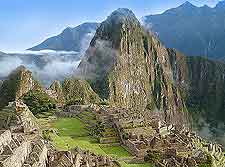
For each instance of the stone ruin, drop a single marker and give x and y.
(72, 111)
(146, 134)
(21, 147)
(16, 151)
(79, 158)
(18, 118)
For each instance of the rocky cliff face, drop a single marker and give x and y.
(202, 82)
(17, 84)
(131, 68)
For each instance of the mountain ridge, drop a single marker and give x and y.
(195, 31)
(69, 40)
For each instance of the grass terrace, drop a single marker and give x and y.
(74, 132)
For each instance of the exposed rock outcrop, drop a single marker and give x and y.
(17, 84)
(131, 68)
(17, 151)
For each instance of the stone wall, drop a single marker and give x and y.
(18, 155)
(16, 151)
(38, 155)
(5, 139)
(27, 119)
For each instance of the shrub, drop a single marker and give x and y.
(39, 102)
(152, 156)
(75, 101)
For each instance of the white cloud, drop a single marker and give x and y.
(46, 66)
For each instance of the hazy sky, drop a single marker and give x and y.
(25, 23)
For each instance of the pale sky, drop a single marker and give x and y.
(25, 23)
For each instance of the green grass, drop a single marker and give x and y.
(73, 133)
(124, 164)
(86, 143)
(72, 127)
(117, 151)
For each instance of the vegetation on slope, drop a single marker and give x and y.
(18, 83)
(130, 68)
(68, 133)
(79, 92)
(39, 102)
(202, 83)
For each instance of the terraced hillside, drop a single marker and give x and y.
(79, 131)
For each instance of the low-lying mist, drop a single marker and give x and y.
(46, 66)
(214, 133)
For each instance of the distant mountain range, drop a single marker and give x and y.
(195, 31)
(71, 39)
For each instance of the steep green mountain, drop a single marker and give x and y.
(71, 39)
(39, 101)
(131, 68)
(56, 92)
(20, 85)
(72, 91)
(195, 31)
(17, 84)
(79, 92)
(202, 82)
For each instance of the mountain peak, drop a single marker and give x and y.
(187, 4)
(70, 39)
(122, 14)
(68, 29)
(186, 7)
(206, 7)
(19, 69)
(221, 4)
(124, 11)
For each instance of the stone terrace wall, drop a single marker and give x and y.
(16, 151)
(18, 156)
(5, 139)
